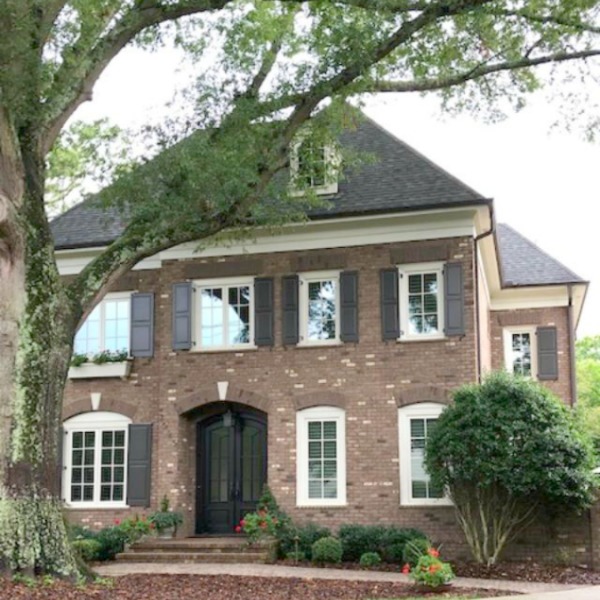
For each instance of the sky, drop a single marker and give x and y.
(544, 181)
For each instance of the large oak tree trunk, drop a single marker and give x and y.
(36, 332)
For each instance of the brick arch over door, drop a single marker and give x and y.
(107, 404)
(423, 393)
(210, 394)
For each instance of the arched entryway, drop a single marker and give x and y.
(231, 465)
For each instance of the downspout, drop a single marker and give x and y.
(476, 240)
(571, 327)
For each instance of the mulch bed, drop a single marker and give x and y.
(529, 571)
(211, 587)
(514, 571)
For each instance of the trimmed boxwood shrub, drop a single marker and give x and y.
(370, 559)
(387, 541)
(307, 535)
(88, 549)
(327, 550)
(112, 541)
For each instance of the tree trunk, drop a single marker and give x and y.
(36, 330)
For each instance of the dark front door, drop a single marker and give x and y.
(232, 460)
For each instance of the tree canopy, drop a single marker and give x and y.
(505, 450)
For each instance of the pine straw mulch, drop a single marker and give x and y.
(220, 587)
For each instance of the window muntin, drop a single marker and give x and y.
(319, 306)
(312, 164)
(520, 351)
(107, 327)
(224, 314)
(95, 460)
(415, 423)
(421, 301)
(321, 457)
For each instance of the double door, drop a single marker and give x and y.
(232, 461)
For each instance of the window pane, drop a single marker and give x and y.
(90, 438)
(120, 438)
(76, 476)
(314, 450)
(417, 428)
(521, 354)
(104, 493)
(105, 475)
(119, 474)
(88, 493)
(423, 304)
(77, 439)
(311, 164)
(238, 320)
(330, 468)
(77, 457)
(314, 430)
(76, 493)
(212, 317)
(330, 488)
(118, 493)
(315, 469)
(420, 480)
(329, 430)
(329, 449)
(315, 489)
(119, 456)
(419, 489)
(321, 310)
(107, 438)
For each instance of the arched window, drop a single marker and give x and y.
(321, 456)
(95, 460)
(415, 422)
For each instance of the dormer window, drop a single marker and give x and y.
(314, 166)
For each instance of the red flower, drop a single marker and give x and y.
(152, 526)
(434, 568)
(433, 552)
(263, 524)
(238, 529)
(117, 521)
(406, 569)
(243, 523)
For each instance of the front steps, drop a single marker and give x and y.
(197, 550)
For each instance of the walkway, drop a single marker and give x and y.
(549, 591)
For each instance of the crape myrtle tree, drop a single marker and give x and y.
(278, 64)
(506, 451)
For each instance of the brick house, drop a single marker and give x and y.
(314, 359)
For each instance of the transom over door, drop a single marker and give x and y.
(232, 460)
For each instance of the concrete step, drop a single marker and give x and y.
(170, 556)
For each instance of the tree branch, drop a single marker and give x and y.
(75, 80)
(481, 70)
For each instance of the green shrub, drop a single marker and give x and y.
(327, 550)
(387, 541)
(112, 541)
(414, 549)
(297, 556)
(88, 549)
(77, 532)
(370, 559)
(307, 535)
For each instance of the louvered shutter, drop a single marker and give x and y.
(182, 316)
(263, 312)
(139, 465)
(349, 306)
(390, 306)
(547, 353)
(142, 325)
(454, 299)
(290, 310)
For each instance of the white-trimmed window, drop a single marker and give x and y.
(321, 456)
(314, 166)
(415, 422)
(95, 460)
(421, 301)
(224, 314)
(319, 308)
(520, 351)
(107, 326)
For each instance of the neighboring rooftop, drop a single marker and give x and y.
(522, 263)
(400, 179)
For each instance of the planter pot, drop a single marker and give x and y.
(166, 534)
(93, 371)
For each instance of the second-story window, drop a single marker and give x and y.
(319, 308)
(224, 314)
(312, 164)
(421, 301)
(519, 351)
(107, 326)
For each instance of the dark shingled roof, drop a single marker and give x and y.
(522, 263)
(399, 179)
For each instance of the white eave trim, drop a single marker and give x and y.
(312, 235)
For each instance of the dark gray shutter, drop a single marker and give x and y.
(182, 316)
(263, 311)
(454, 299)
(349, 306)
(139, 464)
(142, 325)
(390, 306)
(547, 353)
(289, 305)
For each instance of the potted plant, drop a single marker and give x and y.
(165, 520)
(431, 574)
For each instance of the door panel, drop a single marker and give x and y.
(232, 469)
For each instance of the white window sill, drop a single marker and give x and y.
(321, 504)
(201, 350)
(95, 505)
(318, 343)
(427, 502)
(422, 338)
(93, 371)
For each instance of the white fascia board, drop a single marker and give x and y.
(313, 235)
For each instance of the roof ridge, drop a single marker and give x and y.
(418, 153)
(542, 251)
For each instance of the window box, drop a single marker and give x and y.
(93, 371)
